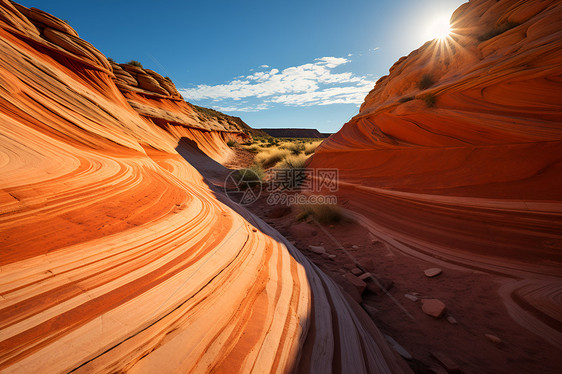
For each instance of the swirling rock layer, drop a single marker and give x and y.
(457, 153)
(114, 253)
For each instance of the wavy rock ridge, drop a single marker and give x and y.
(457, 153)
(115, 254)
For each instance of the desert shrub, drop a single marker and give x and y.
(273, 141)
(430, 100)
(323, 213)
(292, 162)
(251, 176)
(426, 81)
(295, 148)
(231, 143)
(135, 63)
(497, 30)
(254, 148)
(110, 59)
(311, 147)
(269, 157)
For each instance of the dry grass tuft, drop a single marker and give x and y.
(269, 157)
(323, 213)
(293, 162)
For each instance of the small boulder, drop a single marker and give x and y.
(494, 339)
(355, 246)
(356, 271)
(411, 297)
(365, 277)
(432, 272)
(433, 307)
(452, 320)
(332, 256)
(317, 249)
(356, 282)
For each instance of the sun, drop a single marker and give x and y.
(439, 28)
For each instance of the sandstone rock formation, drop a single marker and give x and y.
(116, 256)
(457, 153)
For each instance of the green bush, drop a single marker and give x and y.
(231, 143)
(135, 63)
(250, 177)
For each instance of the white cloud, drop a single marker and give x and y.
(250, 108)
(303, 85)
(264, 66)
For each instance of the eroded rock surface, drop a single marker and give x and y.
(116, 256)
(456, 154)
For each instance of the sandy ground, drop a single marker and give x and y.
(471, 298)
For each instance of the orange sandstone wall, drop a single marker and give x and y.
(115, 255)
(459, 148)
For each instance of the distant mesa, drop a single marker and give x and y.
(295, 133)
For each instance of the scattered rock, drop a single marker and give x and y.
(411, 297)
(398, 348)
(355, 246)
(356, 282)
(433, 307)
(432, 272)
(332, 256)
(494, 339)
(452, 320)
(279, 211)
(365, 276)
(326, 256)
(317, 249)
(356, 271)
(446, 362)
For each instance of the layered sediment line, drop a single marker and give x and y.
(114, 253)
(457, 153)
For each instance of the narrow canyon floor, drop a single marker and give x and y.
(471, 296)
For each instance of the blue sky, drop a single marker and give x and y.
(304, 63)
